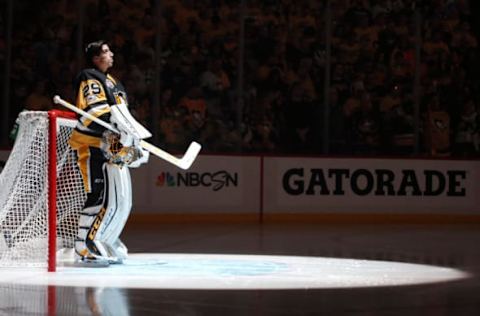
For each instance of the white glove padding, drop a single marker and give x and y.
(130, 130)
(128, 140)
(141, 158)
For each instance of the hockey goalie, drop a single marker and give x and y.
(104, 159)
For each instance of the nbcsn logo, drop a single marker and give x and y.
(165, 179)
(216, 180)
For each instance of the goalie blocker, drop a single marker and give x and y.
(125, 148)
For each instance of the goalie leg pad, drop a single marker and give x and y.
(84, 243)
(119, 203)
(120, 249)
(100, 226)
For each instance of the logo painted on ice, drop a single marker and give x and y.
(217, 180)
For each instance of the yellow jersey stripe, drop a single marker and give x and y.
(78, 140)
(95, 113)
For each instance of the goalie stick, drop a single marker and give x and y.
(184, 163)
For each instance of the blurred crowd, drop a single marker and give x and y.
(374, 85)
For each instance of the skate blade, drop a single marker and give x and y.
(115, 261)
(90, 263)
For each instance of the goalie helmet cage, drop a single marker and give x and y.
(41, 192)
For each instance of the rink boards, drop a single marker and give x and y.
(299, 185)
(256, 186)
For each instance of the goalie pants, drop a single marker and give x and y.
(106, 209)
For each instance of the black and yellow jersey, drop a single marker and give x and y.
(95, 92)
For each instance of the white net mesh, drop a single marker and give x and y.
(24, 193)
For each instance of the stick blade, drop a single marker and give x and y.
(190, 156)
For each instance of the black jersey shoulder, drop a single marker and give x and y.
(90, 73)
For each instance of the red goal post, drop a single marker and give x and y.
(53, 117)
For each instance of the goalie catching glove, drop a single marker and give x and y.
(117, 153)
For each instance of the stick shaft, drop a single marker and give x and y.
(58, 100)
(183, 163)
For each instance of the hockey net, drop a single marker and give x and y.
(41, 192)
